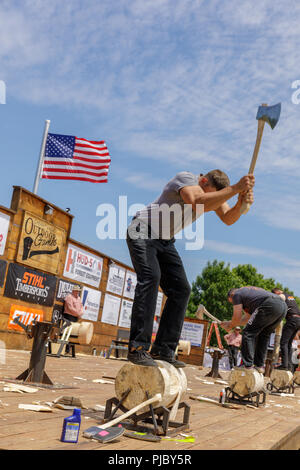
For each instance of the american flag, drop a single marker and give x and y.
(71, 158)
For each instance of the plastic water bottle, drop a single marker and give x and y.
(71, 426)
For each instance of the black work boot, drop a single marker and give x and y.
(141, 357)
(170, 359)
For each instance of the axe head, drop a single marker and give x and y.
(269, 114)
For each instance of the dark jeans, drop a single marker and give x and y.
(157, 262)
(233, 355)
(256, 334)
(289, 331)
(70, 317)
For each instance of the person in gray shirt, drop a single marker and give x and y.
(261, 311)
(150, 239)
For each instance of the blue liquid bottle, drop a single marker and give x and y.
(71, 426)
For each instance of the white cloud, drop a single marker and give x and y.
(233, 249)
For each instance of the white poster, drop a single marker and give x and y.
(91, 303)
(83, 266)
(130, 284)
(115, 281)
(192, 332)
(110, 311)
(159, 303)
(4, 225)
(125, 314)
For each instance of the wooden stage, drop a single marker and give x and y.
(274, 426)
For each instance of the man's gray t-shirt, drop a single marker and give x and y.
(251, 297)
(168, 214)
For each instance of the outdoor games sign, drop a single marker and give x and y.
(83, 266)
(40, 243)
(31, 286)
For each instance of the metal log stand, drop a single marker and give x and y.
(253, 398)
(158, 417)
(286, 389)
(41, 332)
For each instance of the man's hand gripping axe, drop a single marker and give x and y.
(269, 114)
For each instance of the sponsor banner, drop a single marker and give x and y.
(91, 303)
(130, 284)
(125, 314)
(83, 266)
(31, 286)
(26, 316)
(3, 265)
(158, 303)
(115, 281)
(192, 332)
(40, 243)
(64, 288)
(4, 226)
(110, 311)
(57, 313)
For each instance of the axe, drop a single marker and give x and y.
(269, 114)
(202, 310)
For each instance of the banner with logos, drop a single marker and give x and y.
(82, 266)
(32, 286)
(130, 284)
(4, 226)
(125, 313)
(26, 315)
(91, 303)
(110, 311)
(115, 281)
(40, 243)
(64, 288)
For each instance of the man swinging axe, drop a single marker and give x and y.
(150, 239)
(261, 311)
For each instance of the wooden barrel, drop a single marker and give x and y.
(281, 378)
(296, 377)
(243, 381)
(184, 347)
(165, 379)
(82, 332)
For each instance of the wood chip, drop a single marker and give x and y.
(101, 381)
(10, 387)
(30, 407)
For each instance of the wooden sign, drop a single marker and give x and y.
(41, 243)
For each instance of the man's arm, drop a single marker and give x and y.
(239, 317)
(229, 215)
(213, 200)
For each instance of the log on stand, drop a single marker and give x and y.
(134, 384)
(281, 381)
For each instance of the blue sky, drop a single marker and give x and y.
(170, 85)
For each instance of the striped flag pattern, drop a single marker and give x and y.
(72, 158)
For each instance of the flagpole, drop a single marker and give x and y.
(42, 152)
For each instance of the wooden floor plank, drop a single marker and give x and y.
(213, 427)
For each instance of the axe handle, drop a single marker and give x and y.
(209, 315)
(260, 128)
